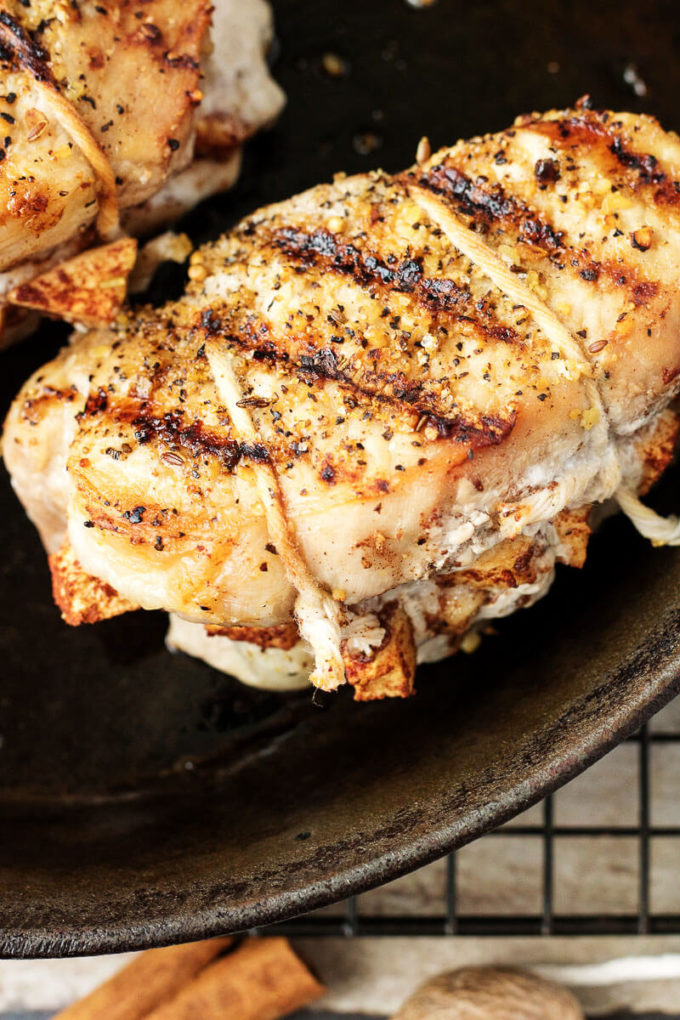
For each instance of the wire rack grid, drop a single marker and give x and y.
(600, 857)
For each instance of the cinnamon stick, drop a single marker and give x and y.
(151, 979)
(262, 980)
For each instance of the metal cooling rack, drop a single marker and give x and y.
(354, 920)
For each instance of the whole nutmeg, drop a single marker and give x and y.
(490, 993)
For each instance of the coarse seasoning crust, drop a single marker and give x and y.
(116, 117)
(125, 84)
(88, 288)
(433, 374)
(81, 597)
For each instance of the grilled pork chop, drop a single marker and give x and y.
(381, 412)
(124, 113)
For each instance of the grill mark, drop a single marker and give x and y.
(491, 204)
(491, 431)
(17, 46)
(322, 249)
(591, 132)
(645, 165)
(348, 259)
(388, 386)
(362, 382)
(532, 229)
(392, 388)
(171, 428)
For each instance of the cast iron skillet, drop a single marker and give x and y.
(146, 799)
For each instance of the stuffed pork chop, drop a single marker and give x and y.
(380, 414)
(119, 115)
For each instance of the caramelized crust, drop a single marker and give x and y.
(506, 565)
(573, 532)
(284, 636)
(81, 597)
(420, 427)
(130, 69)
(89, 288)
(100, 111)
(390, 671)
(657, 447)
(584, 205)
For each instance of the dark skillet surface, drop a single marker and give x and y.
(145, 798)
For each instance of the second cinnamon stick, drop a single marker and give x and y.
(150, 979)
(262, 980)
